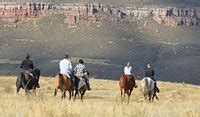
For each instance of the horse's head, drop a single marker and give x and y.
(87, 73)
(37, 71)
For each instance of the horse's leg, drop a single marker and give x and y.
(149, 94)
(26, 91)
(124, 94)
(153, 97)
(128, 98)
(18, 88)
(129, 94)
(131, 91)
(156, 97)
(64, 94)
(121, 94)
(55, 92)
(75, 95)
(82, 94)
(70, 94)
(145, 96)
(34, 91)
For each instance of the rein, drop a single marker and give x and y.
(28, 82)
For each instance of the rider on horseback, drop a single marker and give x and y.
(80, 72)
(127, 72)
(28, 67)
(66, 68)
(150, 73)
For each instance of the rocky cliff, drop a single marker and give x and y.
(173, 16)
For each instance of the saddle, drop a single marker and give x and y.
(62, 76)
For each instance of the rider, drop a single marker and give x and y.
(150, 73)
(127, 72)
(65, 66)
(81, 72)
(27, 65)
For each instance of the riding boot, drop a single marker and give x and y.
(37, 78)
(135, 85)
(156, 88)
(88, 86)
(38, 85)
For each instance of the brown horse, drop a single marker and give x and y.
(126, 83)
(63, 83)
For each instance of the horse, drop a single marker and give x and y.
(126, 83)
(63, 82)
(80, 86)
(147, 85)
(27, 81)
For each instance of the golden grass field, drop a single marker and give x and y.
(176, 100)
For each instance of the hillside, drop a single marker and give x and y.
(106, 47)
(103, 101)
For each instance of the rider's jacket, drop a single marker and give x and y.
(149, 72)
(27, 64)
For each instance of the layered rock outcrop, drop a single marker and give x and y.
(173, 16)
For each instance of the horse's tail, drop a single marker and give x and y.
(145, 86)
(146, 83)
(61, 81)
(125, 80)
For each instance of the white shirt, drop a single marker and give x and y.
(127, 70)
(65, 67)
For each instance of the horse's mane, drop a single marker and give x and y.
(37, 71)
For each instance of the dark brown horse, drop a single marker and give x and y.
(126, 83)
(63, 83)
(80, 86)
(27, 81)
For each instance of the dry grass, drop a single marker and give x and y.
(104, 100)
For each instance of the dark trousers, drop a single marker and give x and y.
(72, 77)
(87, 82)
